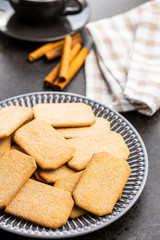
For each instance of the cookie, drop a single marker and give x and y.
(16, 147)
(77, 212)
(65, 114)
(5, 144)
(68, 184)
(40, 140)
(101, 184)
(111, 142)
(37, 176)
(15, 170)
(42, 204)
(100, 126)
(12, 117)
(54, 175)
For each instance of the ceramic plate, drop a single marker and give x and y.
(44, 32)
(137, 160)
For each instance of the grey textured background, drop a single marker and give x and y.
(17, 76)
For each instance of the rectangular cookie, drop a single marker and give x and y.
(42, 204)
(15, 170)
(5, 144)
(12, 117)
(77, 212)
(37, 176)
(101, 183)
(40, 140)
(65, 114)
(68, 184)
(51, 176)
(111, 142)
(100, 126)
(16, 147)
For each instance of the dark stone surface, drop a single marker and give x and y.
(17, 76)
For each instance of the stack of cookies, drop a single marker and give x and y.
(58, 161)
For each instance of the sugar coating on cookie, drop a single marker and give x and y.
(102, 182)
(100, 126)
(51, 176)
(77, 212)
(37, 176)
(68, 184)
(65, 114)
(15, 169)
(40, 140)
(16, 147)
(5, 144)
(111, 142)
(42, 204)
(12, 117)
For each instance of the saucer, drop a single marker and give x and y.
(42, 32)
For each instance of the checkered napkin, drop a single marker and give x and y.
(123, 69)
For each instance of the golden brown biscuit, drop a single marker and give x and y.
(40, 140)
(77, 212)
(42, 204)
(68, 184)
(101, 183)
(37, 176)
(12, 117)
(16, 147)
(111, 142)
(5, 144)
(15, 170)
(101, 126)
(53, 175)
(65, 114)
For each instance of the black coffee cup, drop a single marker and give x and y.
(43, 10)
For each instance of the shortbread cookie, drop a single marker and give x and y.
(65, 114)
(16, 147)
(15, 170)
(68, 184)
(53, 175)
(42, 204)
(101, 126)
(40, 140)
(5, 144)
(101, 184)
(77, 212)
(12, 117)
(37, 176)
(111, 142)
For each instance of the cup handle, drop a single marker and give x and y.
(81, 4)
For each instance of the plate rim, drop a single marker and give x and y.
(123, 211)
(50, 39)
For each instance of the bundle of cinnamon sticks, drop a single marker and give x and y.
(72, 56)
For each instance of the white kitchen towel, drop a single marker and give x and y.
(123, 69)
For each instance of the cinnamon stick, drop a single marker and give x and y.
(52, 76)
(63, 71)
(42, 50)
(74, 66)
(38, 53)
(56, 52)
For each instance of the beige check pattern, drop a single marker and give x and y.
(123, 69)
